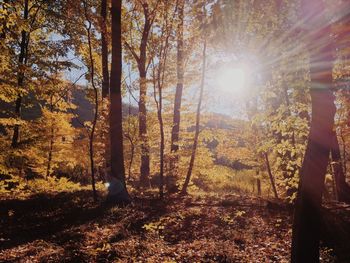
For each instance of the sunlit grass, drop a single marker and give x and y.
(221, 179)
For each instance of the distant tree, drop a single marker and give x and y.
(23, 58)
(180, 61)
(148, 11)
(91, 68)
(159, 71)
(199, 105)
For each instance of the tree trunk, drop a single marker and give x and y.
(23, 56)
(171, 180)
(272, 180)
(342, 188)
(145, 160)
(131, 156)
(161, 151)
(306, 225)
(116, 118)
(142, 66)
(49, 158)
(344, 152)
(94, 121)
(104, 50)
(258, 182)
(105, 76)
(195, 140)
(306, 228)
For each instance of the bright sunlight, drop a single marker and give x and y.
(232, 79)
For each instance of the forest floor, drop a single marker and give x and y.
(69, 227)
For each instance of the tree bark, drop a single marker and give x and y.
(141, 60)
(342, 188)
(162, 146)
(22, 61)
(105, 78)
(104, 48)
(142, 66)
(171, 180)
(131, 155)
(198, 115)
(49, 158)
(94, 121)
(272, 180)
(306, 228)
(306, 225)
(145, 159)
(116, 119)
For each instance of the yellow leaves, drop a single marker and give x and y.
(105, 247)
(156, 227)
(227, 219)
(239, 213)
(7, 17)
(11, 121)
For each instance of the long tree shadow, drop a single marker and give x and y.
(42, 216)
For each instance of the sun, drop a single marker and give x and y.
(232, 79)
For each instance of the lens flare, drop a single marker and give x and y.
(232, 79)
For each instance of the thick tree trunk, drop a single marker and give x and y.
(342, 188)
(23, 56)
(171, 180)
(115, 116)
(198, 116)
(306, 226)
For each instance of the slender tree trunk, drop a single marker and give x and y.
(132, 144)
(131, 156)
(272, 179)
(258, 185)
(145, 159)
(116, 118)
(306, 225)
(94, 121)
(105, 78)
(49, 158)
(161, 151)
(171, 180)
(104, 49)
(345, 154)
(142, 66)
(195, 140)
(342, 188)
(23, 56)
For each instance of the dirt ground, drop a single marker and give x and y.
(69, 227)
